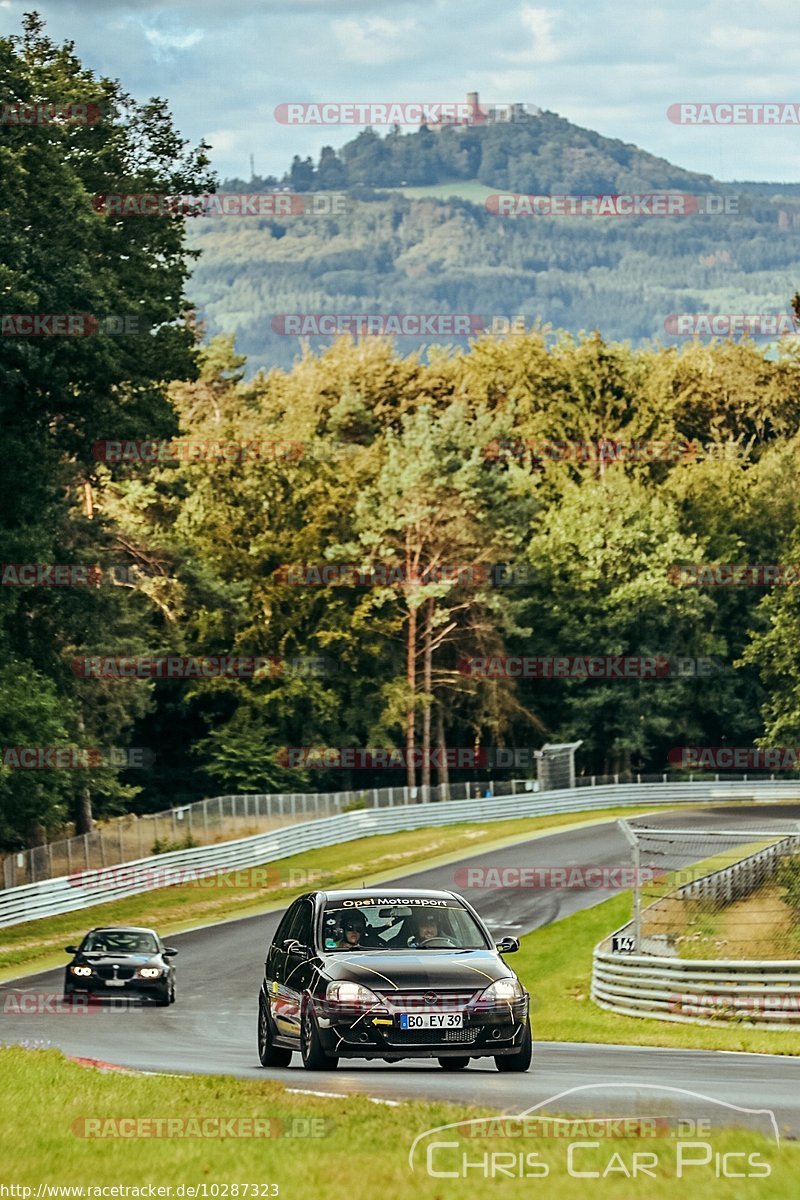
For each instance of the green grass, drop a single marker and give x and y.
(38, 945)
(555, 963)
(363, 1153)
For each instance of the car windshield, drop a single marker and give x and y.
(408, 925)
(120, 941)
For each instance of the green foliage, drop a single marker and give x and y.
(788, 876)
(166, 846)
(396, 465)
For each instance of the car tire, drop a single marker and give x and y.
(453, 1064)
(314, 1057)
(521, 1060)
(172, 994)
(269, 1054)
(163, 1000)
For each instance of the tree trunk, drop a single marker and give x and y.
(84, 817)
(444, 772)
(411, 677)
(427, 671)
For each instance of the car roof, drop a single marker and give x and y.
(122, 929)
(389, 893)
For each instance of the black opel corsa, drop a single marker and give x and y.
(390, 973)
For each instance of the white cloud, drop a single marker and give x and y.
(375, 40)
(539, 23)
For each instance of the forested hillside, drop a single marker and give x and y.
(390, 253)
(389, 461)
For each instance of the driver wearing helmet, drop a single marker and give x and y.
(425, 926)
(354, 931)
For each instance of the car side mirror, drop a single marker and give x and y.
(169, 952)
(507, 945)
(71, 949)
(294, 947)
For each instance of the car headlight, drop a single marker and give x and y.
(503, 991)
(350, 993)
(82, 971)
(149, 972)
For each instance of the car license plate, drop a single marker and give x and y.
(115, 983)
(431, 1020)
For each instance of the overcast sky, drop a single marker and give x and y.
(610, 65)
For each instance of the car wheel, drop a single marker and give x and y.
(172, 994)
(314, 1057)
(162, 1000)
(521, 1060)
(453, 1064)
(269, 1054)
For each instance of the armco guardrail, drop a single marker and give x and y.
(223, 818)
(70, 893)
(761, 993)
(213, 820)
(765, 995)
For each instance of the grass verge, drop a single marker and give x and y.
(555, 963)
(48, 1104)
(38, 945)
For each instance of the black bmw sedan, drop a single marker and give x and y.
(390, 973)
(121, 960)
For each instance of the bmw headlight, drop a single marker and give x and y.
(503, 991)
(82, 971)
(149, 972)
(350, 993)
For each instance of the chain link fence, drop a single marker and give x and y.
(715, 893)
(218, 819)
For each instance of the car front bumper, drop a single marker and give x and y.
(126, 987)
(488, 1032)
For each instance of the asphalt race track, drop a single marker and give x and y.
(212, 1027)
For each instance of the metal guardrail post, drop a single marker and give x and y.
(633, 842)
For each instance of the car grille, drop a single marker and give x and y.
(430, 1037)
(447, 1000)
(122, 972)
(460, 1035)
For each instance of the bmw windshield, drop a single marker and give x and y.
(367, 924)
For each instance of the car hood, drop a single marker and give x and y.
(383, 971)
(119, 960)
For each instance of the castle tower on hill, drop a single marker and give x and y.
(493, 114)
